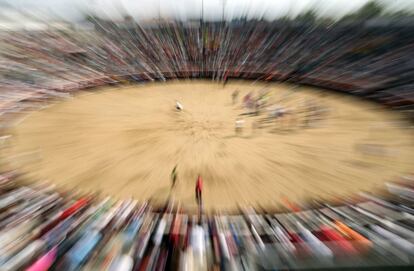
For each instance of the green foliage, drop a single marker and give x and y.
(370, 10)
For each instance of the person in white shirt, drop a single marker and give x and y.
(198, 246)
(178, 106)
(239, 126)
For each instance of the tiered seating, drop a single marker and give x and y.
(361, 59)
(41, 227)
(44, 229)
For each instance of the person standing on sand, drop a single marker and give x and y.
(178, 106)
(174, 176)
(199, 190)
(239, 126)
(234, 96)
(247, 100)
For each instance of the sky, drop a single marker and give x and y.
(141, 10)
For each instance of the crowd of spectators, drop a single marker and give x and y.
(42, 228)
(373, 59)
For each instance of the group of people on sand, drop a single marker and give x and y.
(303, 114)
(254, 104)
(198, 186)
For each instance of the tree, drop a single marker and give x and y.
(307, 17)
(370, 10)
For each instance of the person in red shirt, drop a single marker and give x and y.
(199, 190)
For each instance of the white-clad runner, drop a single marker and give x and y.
(179, 106)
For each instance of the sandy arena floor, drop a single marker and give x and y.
(124, 141)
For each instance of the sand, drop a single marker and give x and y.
(124, 141)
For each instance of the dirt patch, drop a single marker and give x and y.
(126, 140)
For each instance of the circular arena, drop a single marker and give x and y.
(195, 145)
(125, 141)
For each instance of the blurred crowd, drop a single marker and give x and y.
(373, 58)
(42, 228)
